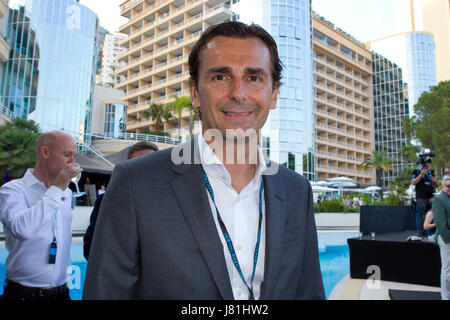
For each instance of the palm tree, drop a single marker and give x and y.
(157, 113)
(409, 153)
(378, 161)
(178, 105)
(17, 147)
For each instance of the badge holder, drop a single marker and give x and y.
(53, 250)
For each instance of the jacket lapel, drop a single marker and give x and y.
(193, 200)
(275, 209)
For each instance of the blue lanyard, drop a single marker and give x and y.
(227, 237)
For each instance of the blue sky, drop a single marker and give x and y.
(370, 19)
(363, 19)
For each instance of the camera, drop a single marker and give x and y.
(423, 157)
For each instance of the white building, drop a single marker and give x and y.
(110, 64)
(109, 112)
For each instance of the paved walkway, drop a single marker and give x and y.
(360, 289)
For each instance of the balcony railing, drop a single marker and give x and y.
(164, 32)
(339, 143)
(157, 83)
(5, 111)
(150, 101)
(128, 5)
(162, 17)
(157, 67)
(198, 33)
(140, 137)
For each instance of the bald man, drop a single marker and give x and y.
(36, 214)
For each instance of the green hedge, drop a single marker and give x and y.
(339, 207)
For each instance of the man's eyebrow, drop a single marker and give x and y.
(256, 71)
(218, 70)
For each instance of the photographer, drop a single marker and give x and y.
(424, 180)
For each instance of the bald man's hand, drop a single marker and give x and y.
(62, 180)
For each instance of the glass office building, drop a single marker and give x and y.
(50, 75)
(415, 54)
(288, 136)
(390, 108)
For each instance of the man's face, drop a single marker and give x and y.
(235, 88)
(446, 186)
(60, 153)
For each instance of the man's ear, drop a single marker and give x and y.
(194, 94)
(275, 93)
(44, 152)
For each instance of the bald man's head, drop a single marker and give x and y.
(55, 149)
(50, 138)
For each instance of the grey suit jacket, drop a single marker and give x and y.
(156, 238)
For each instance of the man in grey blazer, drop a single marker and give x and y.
(211, 219)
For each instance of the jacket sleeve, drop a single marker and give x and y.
(441, 217)
(87, 239)
(114, 264)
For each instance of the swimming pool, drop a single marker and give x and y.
(334, 256)
(333, 250)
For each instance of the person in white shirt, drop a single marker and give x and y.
(102, 190)
(36, 214)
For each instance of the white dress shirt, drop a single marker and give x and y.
(32, 215)
(240, 214)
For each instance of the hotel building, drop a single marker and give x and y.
(110, 64)
(160, 35)
(343, 105)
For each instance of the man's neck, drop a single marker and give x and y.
(41, 175)
(241, 162)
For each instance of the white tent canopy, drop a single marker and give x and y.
(372, 188)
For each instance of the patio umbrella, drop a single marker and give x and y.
(372, 188)
(343, 184)
(322, 183)
(316, 188)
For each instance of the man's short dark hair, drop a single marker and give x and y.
(141, 145)
(235, 29)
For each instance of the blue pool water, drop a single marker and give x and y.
(333, 249)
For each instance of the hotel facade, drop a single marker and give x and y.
(343, 104)
(160, 36)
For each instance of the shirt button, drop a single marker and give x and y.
(63, 198)
(239, 293)
(239, 247)
(238, 200)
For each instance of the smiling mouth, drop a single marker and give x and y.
(237, 114)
